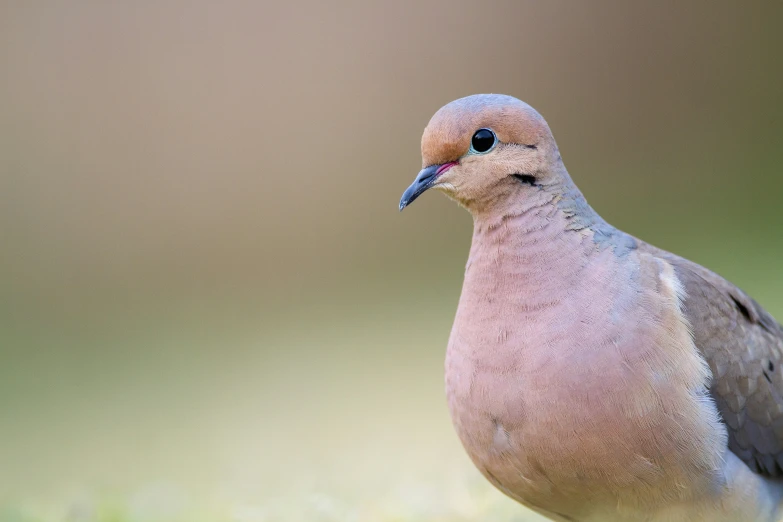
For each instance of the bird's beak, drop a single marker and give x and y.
(423, 181)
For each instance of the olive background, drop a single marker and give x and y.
(210, 307)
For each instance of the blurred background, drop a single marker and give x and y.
(210, 307)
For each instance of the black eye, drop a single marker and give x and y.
(483, 140)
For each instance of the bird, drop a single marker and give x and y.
(591, 376)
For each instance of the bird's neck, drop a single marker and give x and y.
(528, 244)
(538, 246)
(536, 228)
(526, 267)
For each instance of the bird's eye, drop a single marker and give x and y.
(484, 140)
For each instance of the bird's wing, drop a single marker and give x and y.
(743, 345)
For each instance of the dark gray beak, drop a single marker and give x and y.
(423, 181)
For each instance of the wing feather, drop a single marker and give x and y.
(743, 345)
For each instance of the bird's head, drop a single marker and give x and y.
(485, 151)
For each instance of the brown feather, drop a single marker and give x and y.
(743, 345)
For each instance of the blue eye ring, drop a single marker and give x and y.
(480, 142)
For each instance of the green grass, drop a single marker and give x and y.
(419, 503)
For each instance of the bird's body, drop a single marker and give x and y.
(580, 395)
(589, 375)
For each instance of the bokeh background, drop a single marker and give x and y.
(210, 308)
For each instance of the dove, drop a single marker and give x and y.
(591, 376)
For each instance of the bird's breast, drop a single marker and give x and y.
(581, 387)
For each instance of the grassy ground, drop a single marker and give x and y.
(167, 503)
(329, 423)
